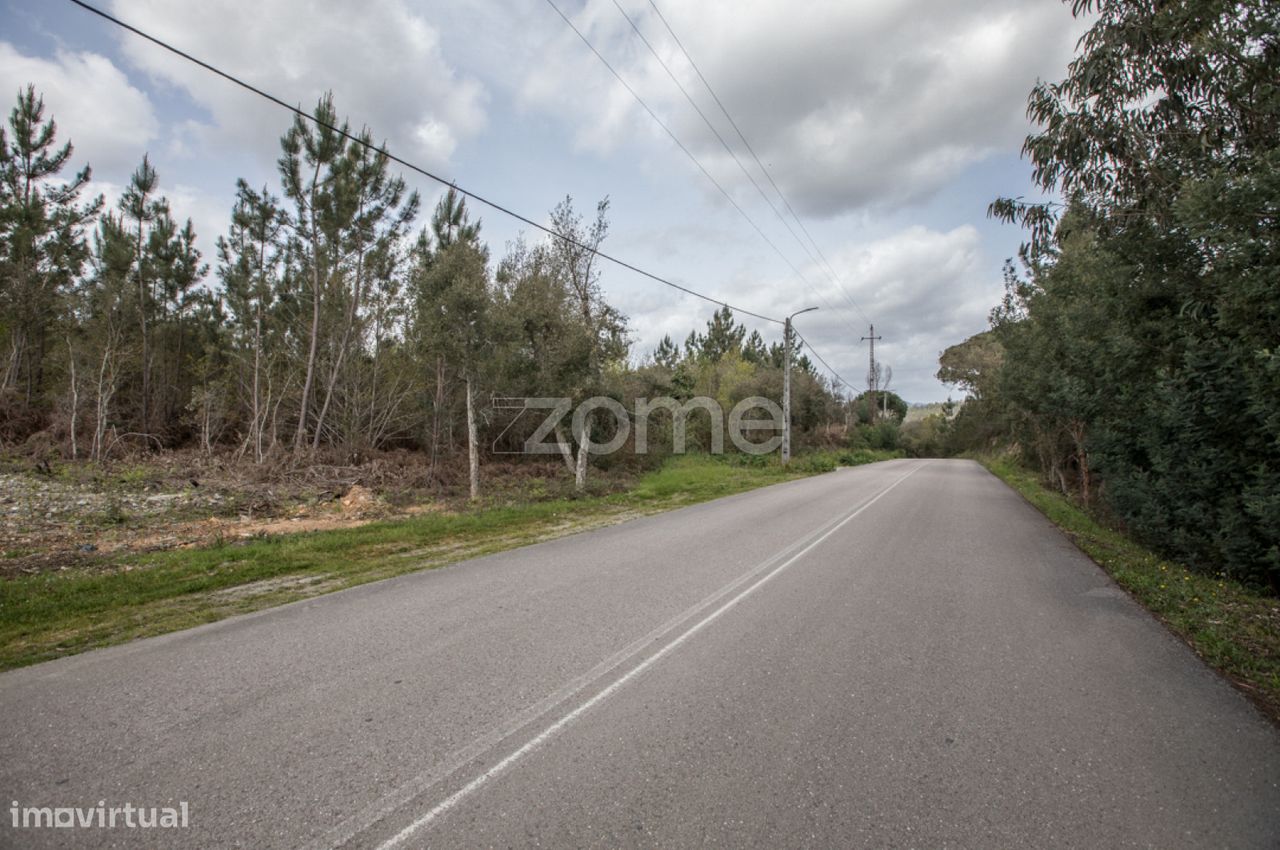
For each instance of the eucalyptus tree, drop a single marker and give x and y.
(574, 250)
(1155, 285)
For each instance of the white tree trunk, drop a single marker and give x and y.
(584, 442)
(104, 391)
(75, 400)
(255, 431)
(566, 451)
(435, 418)
(300, 435)
(473, 449)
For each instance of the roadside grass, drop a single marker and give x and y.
(1234, 628)
(53, 614)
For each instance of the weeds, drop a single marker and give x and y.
(60, 613)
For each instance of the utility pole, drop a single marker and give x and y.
(786, 384)
(871, 374)
(885, 372)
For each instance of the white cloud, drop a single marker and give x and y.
(208, 214)
(383, 61)
(108, 121)
(851, 105)
(862, 111)
(925, 289)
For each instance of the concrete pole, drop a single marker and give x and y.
(872, 378)
(786, 392)
(786, 384)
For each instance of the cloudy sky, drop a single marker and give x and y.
(888, 127)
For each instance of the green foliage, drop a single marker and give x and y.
(925, 437)
(818, 462)
(42, 253)
(1229, 624)
(973, 365)
(723, 336)
(55, 614)
(889, 406)
(1160, 94)
(336, 323)
(1140, 363)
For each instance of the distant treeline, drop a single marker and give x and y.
(1136, 355)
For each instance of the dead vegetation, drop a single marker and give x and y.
(59, 515)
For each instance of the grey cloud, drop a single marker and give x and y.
(109, 122)
(384, 62)
(851, 105)
(924, 288)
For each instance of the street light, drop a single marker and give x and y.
(786, 385)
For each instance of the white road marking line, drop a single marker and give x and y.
(343, 833)
(456, 797)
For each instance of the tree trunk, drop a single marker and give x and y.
(255, 432)
(275, 414)
(75, 400)
(353, 316)
(473, 449)
(566, 451)
(1082, 460)
(300, 435)
(435, 418)
(144, 302)
(105, 390)
(584, 442)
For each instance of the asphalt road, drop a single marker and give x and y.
(898, 655)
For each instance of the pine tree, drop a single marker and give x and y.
(42, 244)
(251, 258)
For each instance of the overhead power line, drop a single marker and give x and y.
(729, 150)
(835, 278)
(301, 113)
(833, 372)
(685, 150)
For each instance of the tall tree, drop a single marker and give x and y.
(452, 317)
(310, 166)
(141, 211)
(42, 244)
(349, 216)
(250, 261)
(104, 312)
(667, 354)
(575, 248)
(724, 336)
(1141, 345)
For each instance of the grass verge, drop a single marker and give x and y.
(1234, 628)
(54, 614)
